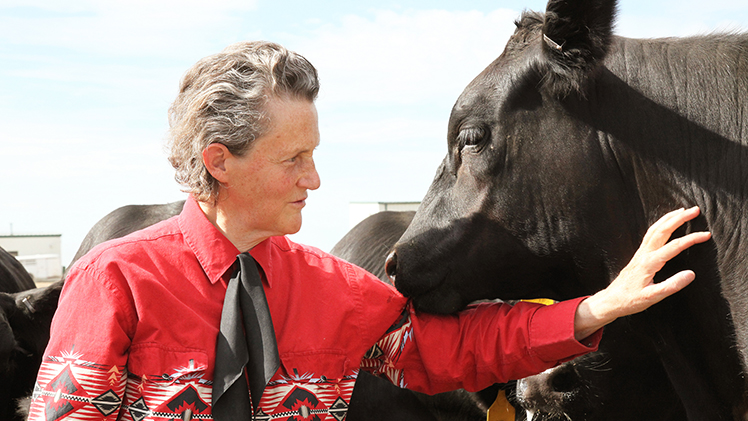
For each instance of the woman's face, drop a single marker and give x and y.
(269, 183)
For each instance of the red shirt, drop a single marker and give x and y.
(135, 332)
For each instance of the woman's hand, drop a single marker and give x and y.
(634, 289)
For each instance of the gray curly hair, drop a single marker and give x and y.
(222, 99)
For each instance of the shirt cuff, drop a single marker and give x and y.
(552, 333)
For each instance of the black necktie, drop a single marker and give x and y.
(246, 341)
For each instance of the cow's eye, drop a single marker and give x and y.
(471, 137)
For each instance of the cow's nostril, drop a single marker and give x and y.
(390, 267)
(564, 380)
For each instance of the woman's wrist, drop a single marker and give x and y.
(592, 314)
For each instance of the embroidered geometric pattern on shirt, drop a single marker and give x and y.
(168, 397)
(186, 403)
(381, 359)
(138, 410)
(107, 403)
(63, 395)
(75, 389)
(71, 388)
(314, 399)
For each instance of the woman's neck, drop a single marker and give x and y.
(244, 238)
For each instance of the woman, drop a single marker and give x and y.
(135, 335)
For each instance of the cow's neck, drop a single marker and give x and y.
(676, 115)
(692, 92)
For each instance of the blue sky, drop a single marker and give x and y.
(85, 86)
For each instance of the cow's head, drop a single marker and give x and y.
(527, 202)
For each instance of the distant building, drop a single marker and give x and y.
(39, 254)
(358, 211)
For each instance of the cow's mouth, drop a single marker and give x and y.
(437, 300)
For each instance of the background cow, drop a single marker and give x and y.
(24, 313)
(562, 152)
(370, 242)
(13, 276)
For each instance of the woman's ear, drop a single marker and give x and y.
(214, 158)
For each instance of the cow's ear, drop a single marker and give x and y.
(39, 302)
(33, 314)
(576, 37)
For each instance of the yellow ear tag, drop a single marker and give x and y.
(501, 409)
(544, 301)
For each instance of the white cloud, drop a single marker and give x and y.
(405, 58)
(165, 28)
(674, 18)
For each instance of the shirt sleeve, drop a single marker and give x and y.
(485, 344)
(83, 372)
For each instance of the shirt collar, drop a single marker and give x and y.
(262, 253)
(213, 250)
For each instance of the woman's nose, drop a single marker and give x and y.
(310, 179)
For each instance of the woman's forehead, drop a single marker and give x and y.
(293, 128)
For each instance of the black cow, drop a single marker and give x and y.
(25, 315)
(367, 244)
(562, 152)
(13, 276)
(626, 361)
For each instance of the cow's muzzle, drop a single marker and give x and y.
(390, 267)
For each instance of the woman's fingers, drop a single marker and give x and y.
(660, 291)
(635, 284)
(659, 233)
(656, 228)
(677, 245)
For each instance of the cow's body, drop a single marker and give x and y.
(560, 155)
(370, 241)
(25, 316)
(13, 276)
